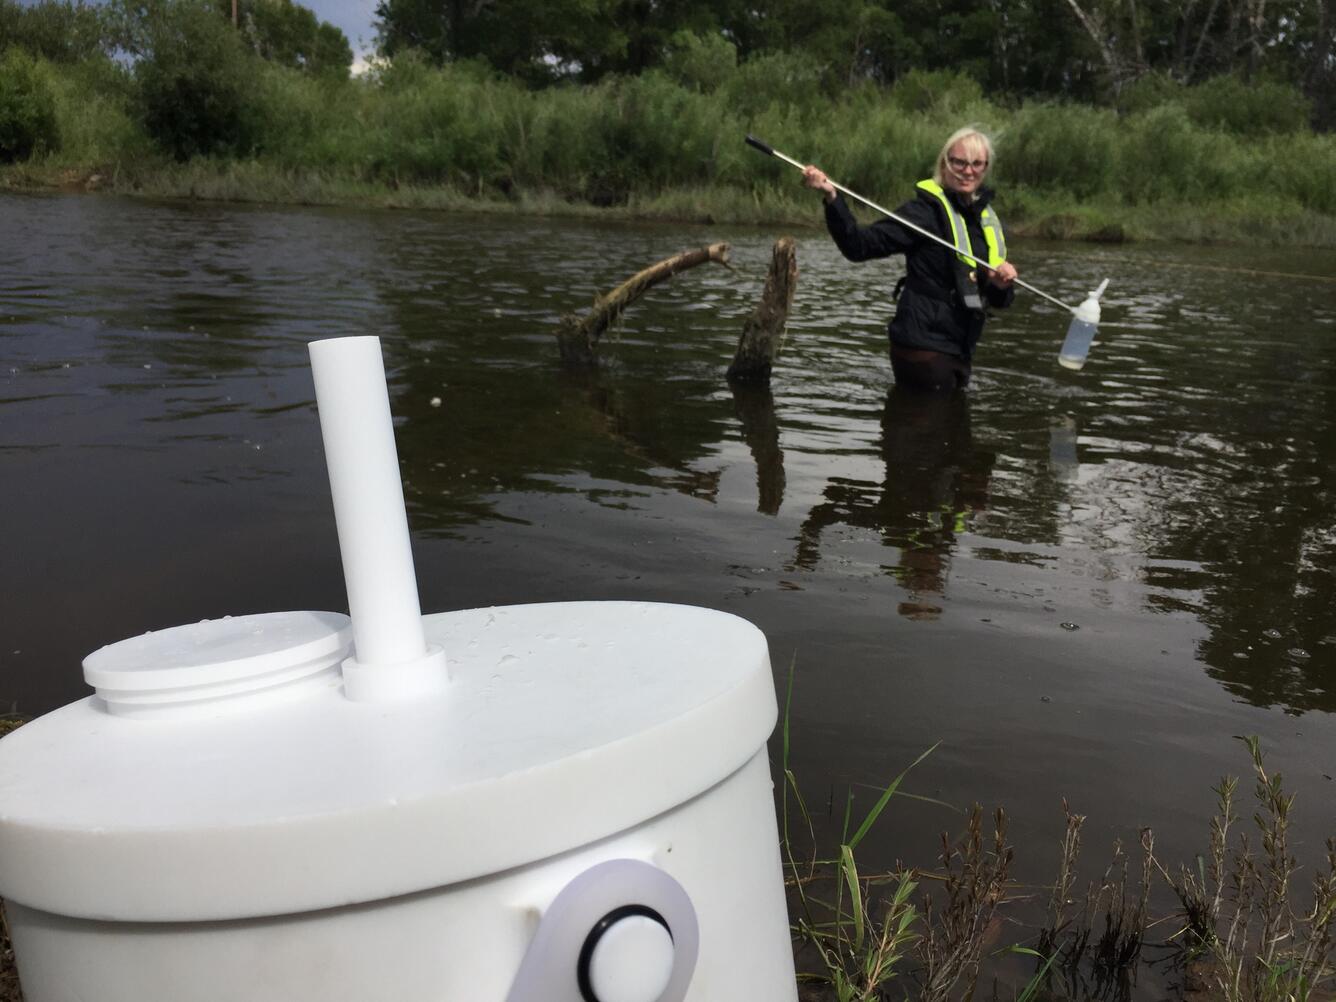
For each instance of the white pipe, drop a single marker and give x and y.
(368, 494)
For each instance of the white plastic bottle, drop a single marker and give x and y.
(1082, 330)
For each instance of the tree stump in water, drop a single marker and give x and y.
(763, 332)
(577, 337)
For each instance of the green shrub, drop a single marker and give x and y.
(295, 111)
(1303, 168)
(701, 62)
(662, 132)
(1061, 146)
(1150, 91)
(434, 125)
(1161, 154)
(1256, 109)
(96, 115)
(786, 79)
(877, 149)
(943, 91)
(196, 82)
(27, 107)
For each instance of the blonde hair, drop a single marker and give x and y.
(976, 143)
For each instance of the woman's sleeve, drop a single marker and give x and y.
(882, 239)
(998, 297)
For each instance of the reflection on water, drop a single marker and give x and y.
(935, 481)
(1195, 457)
(1173, 501)
(755, 407)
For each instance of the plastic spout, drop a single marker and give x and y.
(1089, 308)
(391, 658)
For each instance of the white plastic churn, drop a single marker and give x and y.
(565, 802)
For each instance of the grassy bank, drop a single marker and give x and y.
(1027, 213)
(214, 121)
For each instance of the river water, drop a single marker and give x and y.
(1082, 584)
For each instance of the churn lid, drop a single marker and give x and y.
(221, 772)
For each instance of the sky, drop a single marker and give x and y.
(355, 17)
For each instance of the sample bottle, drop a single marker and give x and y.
(1082, 330)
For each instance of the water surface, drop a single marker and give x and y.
(1082, 584)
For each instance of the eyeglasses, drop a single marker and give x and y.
(958, 164)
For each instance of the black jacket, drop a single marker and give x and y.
(929, 313)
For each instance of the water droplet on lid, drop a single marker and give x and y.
(1045, 699)
(436, 401)
(1299, 652)
(1274, 634)
(1069, 626)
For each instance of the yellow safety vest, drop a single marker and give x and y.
(992, 228)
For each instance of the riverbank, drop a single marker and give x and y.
(1254, 222)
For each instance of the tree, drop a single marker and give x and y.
(194, 77)
(289, 34)
(27, 107)
(545, 41)
(56, 30)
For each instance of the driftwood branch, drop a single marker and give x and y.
(578, 336)
(763, 332)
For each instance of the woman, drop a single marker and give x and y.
(941, 300)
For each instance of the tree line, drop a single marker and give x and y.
(183, 97)
(1084, 50)
(69, 31)
(183, 67)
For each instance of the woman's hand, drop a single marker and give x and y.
(1003, 275)
(814, 177)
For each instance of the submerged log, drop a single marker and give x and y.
(577, 337)
(763, 332)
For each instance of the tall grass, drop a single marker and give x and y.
(1238, 903)
(1061, 170)
(1239, 928)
